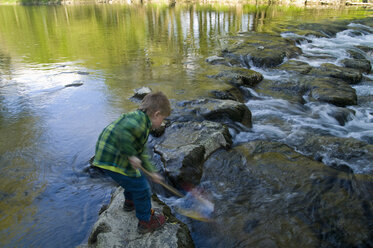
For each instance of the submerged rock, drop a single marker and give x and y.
(305, 35)
(268, 195)
(74, 84)
(343, 115)
(117, 228)
(368, 51)
(82, 73)
(340, 152)
(365, 101)
(216, 60)
(356, 54)
(329, 29)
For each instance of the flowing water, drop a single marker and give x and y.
(298, 121)
(67, 71)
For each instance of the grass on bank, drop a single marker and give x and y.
(29, 2)
(289, 2)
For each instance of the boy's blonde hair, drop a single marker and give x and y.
(154, 102)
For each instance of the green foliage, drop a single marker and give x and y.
(30, 2)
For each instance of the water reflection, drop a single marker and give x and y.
(105, 35)
(17, 187)
(48, 130)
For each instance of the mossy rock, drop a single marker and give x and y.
(239, 76)
(224, 111)
(362, 65)
(262, 50)
(290, 91)
(294, 66)
(351, 76)
(331, 90)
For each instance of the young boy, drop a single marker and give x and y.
(121, 150)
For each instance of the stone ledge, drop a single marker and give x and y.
(117, 228)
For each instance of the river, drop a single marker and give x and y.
(68, 71)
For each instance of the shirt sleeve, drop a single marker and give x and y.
(146, 163)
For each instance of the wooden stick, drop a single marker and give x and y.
(169, 187)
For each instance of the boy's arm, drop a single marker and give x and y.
(146, 163)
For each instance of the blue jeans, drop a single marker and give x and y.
(136, 189)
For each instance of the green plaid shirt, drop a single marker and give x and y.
(123, 138)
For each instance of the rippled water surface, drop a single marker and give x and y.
(67, 71)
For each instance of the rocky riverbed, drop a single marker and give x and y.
(308, 190)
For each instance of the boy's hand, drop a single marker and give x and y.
(135, 162)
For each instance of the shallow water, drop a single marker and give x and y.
(48, 131)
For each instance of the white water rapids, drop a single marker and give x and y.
(280, 120)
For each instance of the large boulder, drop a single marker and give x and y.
(185, 146)
(262, 50)
(117, 228)
(226, 111)
(268, 195)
